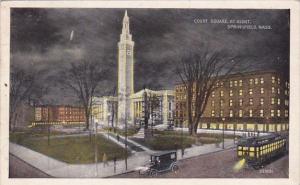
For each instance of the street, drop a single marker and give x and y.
(220, 165)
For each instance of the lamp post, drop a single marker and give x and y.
(96, 146)
(223, 134)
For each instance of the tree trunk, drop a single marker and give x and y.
(87, 119)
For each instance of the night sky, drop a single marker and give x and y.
(40, 40)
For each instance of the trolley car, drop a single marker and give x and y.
(259, 150)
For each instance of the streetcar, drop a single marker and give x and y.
(258, 151)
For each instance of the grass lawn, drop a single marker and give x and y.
(75, 150)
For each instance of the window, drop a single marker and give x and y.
(262, 90)
(286, 102)
(230, 93)
(278, 101)
(212, 103)
(285, 92)
(278, 91)
(230, 102)
(286, 113)
(273, 89)
(256, 81)
(261, 80)
(231, 113)
(240, 83)
(278, 113)
(250, 91)
(213, 94)
(272, 101)
(212, 113)
(261, 101)
(240, 113)
(278, 80)
(273, 79)
(241, 102)
(250, 113)
(221, 113)
(235, 83)
(230, 83)
(221, 103)
(261, 113)
(221, 93)
(272, 113)
(251, 81)
(241, 92)
(250, 101)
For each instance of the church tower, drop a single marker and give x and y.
(125, 73)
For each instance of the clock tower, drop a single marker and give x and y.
(125, 73)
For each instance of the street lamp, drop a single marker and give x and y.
(223, 134)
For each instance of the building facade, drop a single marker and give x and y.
(252, 101)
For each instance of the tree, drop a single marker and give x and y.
(199, 72)
(83, 78)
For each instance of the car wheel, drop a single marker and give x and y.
(175, 168)
(153, 173)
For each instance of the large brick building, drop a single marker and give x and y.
(59, 114)
(252, 101)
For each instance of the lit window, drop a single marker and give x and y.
(261, 113)
(286, 102)
(235, 83)
(285, 92)
(241, 92)
(278, 101)
(212, 113)
(251, 81)
(278, 113)
(256, 81)
(273, 79)
(272, 101)
(240, 83)
(222, 103)
(261, 101)
(240, 113)
(278, 80)
(272, 113)
(230, 93)
(250, 101)
(213, 94)
(222, 83)
(241, 102)
(230, 83)
(230, 102)
(262, 90)
(261, 80)
(250, 91)
(286, 113)
(213, 103)
(273, 89)
(221, 93)
(250, 113)
(221, 113)
(278, 91)
(230, 113)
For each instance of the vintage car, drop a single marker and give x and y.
(160, 162)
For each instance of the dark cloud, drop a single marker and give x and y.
(40, 39)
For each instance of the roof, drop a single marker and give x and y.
(163, 153)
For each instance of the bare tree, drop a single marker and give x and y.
(199, 72)
(83, 78)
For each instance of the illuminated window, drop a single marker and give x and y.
(221, 113)
(261, 80)
(261, 101)
(240, 113)
(231, 113)
(278, 113)
(213, 94)
(278, 101)
(251, 81)
(212, 113)
(272, 113)
(261, 113)
(241, 102)
(241, 92)
(250, 91)
(222, 83)
(272, 101)
(286, 102)
(278, 91)
(230, 102)
(250, 113)
(240, 83)
(250, 101)
(221, 103)
(230, 93)
(221, 93)
(230, 83)
(235, 83)
(285, 92)
(273, 79)
(256, 81)
(262, 90)
(286, 113)
(212, 103)
(278, 80)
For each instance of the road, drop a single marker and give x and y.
(220, 165)
(20, 169)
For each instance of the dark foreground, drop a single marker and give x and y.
(220, 165)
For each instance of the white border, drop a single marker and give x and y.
(294, 154)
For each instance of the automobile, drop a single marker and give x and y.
(160, 162)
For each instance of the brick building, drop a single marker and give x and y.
(58, 114)
(252, 101)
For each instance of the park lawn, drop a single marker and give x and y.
(75, 150)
